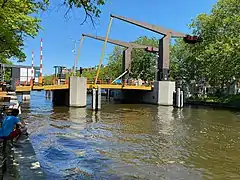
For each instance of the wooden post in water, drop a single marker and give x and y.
(181, 99)
(108, 94)
(94, 99)
(99, 99)
(178, 98)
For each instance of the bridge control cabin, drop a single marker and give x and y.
(60, 74)
(18, 75)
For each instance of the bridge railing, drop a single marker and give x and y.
(89, 81)
(126, 82)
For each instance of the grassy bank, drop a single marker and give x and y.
(230, 99)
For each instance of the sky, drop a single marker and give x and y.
(59, 32)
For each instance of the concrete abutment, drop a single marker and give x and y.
(75, 96)
(162, 94)
(26, 96)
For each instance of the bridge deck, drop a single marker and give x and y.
(89, 86)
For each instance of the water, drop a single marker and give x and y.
(134, 141)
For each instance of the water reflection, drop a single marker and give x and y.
(134, 141)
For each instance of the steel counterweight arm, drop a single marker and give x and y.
(164, 51)
(121, 43)
(154, 28)
(115, 42)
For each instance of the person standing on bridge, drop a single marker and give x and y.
(108, 80)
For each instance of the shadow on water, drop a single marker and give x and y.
(133, 141)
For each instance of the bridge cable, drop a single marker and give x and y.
(78, 54)
(103, 50)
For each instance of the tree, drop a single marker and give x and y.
(144, 63)
(184, 63)
(114, 65)
(89, 74)
(91, 7)
(48, 79)
(18, 22)
(217, 57)
(219, 52)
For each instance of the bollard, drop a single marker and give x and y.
(181, 99)
(99, 99)
(48, 94)
(93, 99)
(178, 99)
(108, 94)
(174, 99)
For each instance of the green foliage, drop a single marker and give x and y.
(143, 63)
(217, 58)
(17, 22)
(114, 66)
(3, 60)
(91, 7)
(89, 74)
(48, 79)
(184, 63)
(230, 99)
(7, 72)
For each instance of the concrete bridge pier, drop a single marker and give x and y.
(162, 94)
(60, 97)
(78, 91)
(48, 94)
(26, 96)
(75, 96)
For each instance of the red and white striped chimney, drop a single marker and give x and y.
(32, 71)
(41, 56)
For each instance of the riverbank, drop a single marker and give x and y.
(230, 102)
(28, 166)
(18, 161)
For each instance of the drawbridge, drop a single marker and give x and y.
(125, 86)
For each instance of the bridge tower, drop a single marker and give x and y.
(163, 88)
(127, 53)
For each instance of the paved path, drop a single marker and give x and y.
(25, 164)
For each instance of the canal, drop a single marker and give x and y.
(133, 141)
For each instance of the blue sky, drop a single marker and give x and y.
(59, 33)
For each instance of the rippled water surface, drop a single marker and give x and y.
(134, 141)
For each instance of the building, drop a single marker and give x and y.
(20, 74)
